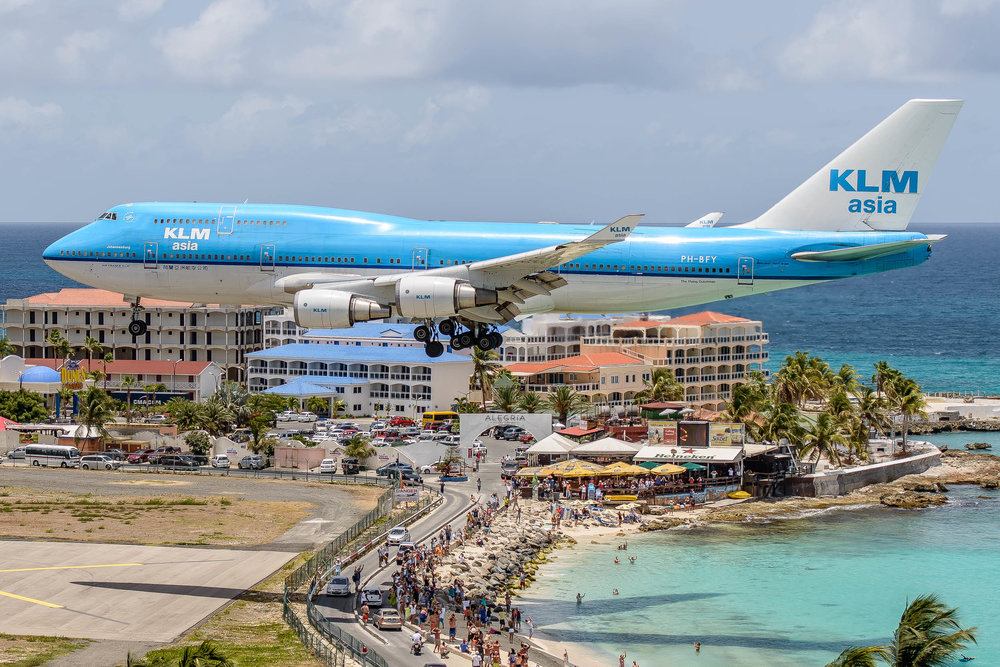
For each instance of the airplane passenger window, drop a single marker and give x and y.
(352, 260)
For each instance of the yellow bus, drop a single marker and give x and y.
(434, 418)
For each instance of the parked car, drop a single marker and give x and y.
(16, 454)
(156, 419)
(99, 462)
(199, 459)
(350, 466)
(389, 468)
(338, 586)
(141, 456)
(521, 461)
(388, 619)
(252, 462)
(177, 462)
(287, 416)
(160, 452)
(328, 466)
(508, 469)
(397, 535)
(305, 417)
(410, 477)
(372, 596)
(116, 454)
(403, 550)
(401, 421)
(513, 433)
(220, 461)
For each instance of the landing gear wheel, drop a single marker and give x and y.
(466, 339)
(455, 343)
(434, 348)
(497, 339)
(137, 328)
(484, 341)
(422, 333)
(447, 327)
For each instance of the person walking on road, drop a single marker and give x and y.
(479, 484)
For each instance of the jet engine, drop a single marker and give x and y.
(330, 309)
(425, 297)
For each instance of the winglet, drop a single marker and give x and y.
(618, 230)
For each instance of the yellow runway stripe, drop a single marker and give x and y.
(71, 567)
(21, 597)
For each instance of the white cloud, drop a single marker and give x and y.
(11, 5)
(252, 122)
(854, 41)
(967, 7)
(137, 10)
(19, 115)
(447, 113)
(211, 46)
(72, 52)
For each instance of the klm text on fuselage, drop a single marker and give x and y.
(856, 180)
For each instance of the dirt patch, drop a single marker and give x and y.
(145, 519)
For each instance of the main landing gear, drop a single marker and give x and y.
(482, 337)
(136, 327)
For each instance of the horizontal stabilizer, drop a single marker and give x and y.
(861, 253)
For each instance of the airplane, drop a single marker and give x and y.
(461, 280)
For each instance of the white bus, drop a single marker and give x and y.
(63, 456)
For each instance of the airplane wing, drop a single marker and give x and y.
(515, 277)
(707, 220)
(863, 252)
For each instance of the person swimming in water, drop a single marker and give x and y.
(614, 592)
(616, 560)
(579, 598)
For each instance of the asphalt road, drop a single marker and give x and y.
(394, 645)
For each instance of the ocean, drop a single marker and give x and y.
(783, 594)
(935, 322)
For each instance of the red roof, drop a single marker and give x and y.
(707, 317)
(581, 362)
(576, 431)
(127, 367)
(4, 423)
(78, 296)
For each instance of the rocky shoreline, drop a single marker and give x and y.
(963, 424)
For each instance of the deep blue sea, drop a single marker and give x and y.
(936, 322)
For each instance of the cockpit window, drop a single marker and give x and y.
(110, 215)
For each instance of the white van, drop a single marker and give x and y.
(220, 461)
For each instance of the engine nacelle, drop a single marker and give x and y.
(425, 297)
(330, 309)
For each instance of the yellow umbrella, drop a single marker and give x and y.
(575, 472)
(668, 469)
(573, 463)
(622, 468)
(529, 472)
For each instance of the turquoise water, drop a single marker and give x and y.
(785, 593)
(959, 439)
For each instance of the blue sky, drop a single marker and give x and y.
(567, 110)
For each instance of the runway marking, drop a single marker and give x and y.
(32, 600)
(70, 567)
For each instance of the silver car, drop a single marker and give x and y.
(338, 586)
(99, 462)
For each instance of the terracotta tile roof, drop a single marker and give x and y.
(707, 317)
(581, 362)
(79, 296)
(128, 367)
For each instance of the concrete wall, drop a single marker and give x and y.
(303, 458)
(840, 482)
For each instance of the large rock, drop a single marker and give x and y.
(911, 500)
(978, 445)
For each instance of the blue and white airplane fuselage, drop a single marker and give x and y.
(335, 267)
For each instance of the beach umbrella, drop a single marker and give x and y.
(574, 472)
(574, 463)
(649, 465)
(629, 506)
(529, 472)
(693, 467)
(668, 469)
(622, 468)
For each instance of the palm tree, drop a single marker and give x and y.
(6, 349)
(485, 365)
(780, 420)
(928, 635)
(859, 656)
(823, 438)
(506, 398)
(359, 446)
(127, 382)
(61, 347)
(151, 389)
(65, 395)
(530, 402)
(206, 654)
(214, 418)
(95, 412)
(872, 410)
(108, 358)
(846, 379)
(92, 346)
(565, 401)
(234, 397)
(337, 405)
(317, 405)
(188, 415)
(907, 400)
(661, 386)
(882, 372)
(463, 405)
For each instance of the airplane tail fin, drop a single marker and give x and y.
(874, 184)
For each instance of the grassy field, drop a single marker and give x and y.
(16, 651)
(147, 519)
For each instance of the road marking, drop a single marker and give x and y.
(70, 567)
(41, 602)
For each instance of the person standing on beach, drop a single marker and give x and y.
(621, 659)
(566, 659)
(531, 628)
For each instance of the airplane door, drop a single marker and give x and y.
(745, 269)
(149, 255)
(227, 216)
(267, 257)
(420, 258)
